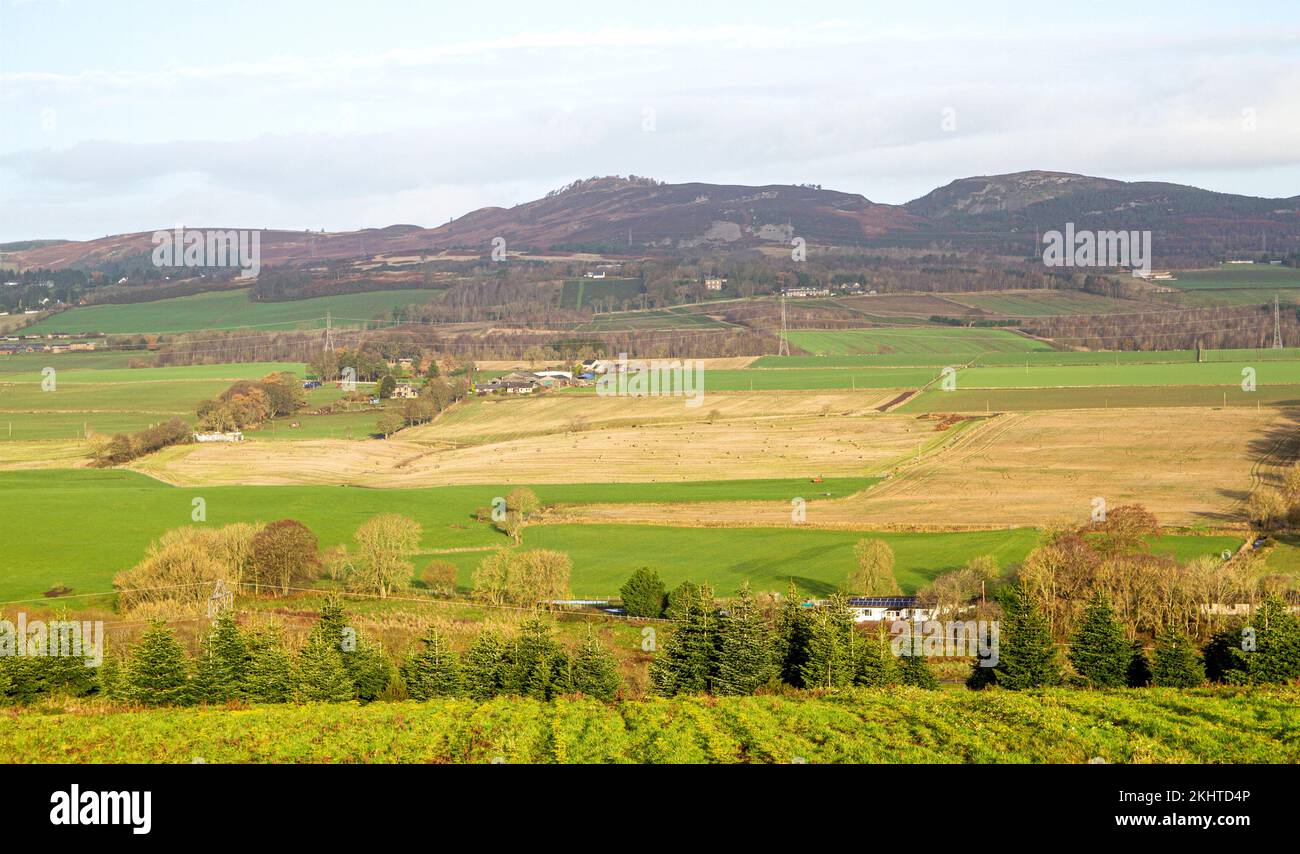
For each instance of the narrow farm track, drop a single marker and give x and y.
(1279, 454)
(970, 443)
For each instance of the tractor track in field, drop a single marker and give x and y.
(970, 443)
(1284, 450)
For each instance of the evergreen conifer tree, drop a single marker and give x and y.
(876, 664)
(1225, 660)
(1138, 674)
(832, 649)
(484, 666)
(1276, 658)
(1177, 665)
(221, 671)
(369, 667)
(158, 674)
(914, 671)
(792, 633)
(538, 667)
(433, 671)
(270, 670)
(1026, 657)
(111, 678)
(319, 674)
(1099, 651)
(595, 669)
(687, 663)
(746, 659)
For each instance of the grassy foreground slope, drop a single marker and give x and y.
(868, 726)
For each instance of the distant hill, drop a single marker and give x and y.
(1183, 220)
(639, 216)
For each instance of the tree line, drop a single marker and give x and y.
(335, 664)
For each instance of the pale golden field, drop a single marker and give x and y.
(496, 419)
(1188, 466)
(803, 446)
(44, 454)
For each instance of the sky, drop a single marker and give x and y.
(119, 116)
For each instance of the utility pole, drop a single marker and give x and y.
(783, 349)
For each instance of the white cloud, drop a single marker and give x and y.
(421, 134)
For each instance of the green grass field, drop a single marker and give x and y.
(1042, 303)
(945, 340)
(1266, 373)
(110, 399)
(79, 527)
(1134, 357)
(578, 293)
(1097, 397)
(229, 310)
(873, 727)
(1238, 276)
(97, 360)
(667, 318)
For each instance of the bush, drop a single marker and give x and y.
(440, 577)
(182, 566)
(123, 448)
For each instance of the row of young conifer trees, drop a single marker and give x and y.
(335, 664)
(1263, 649)
(737, 650)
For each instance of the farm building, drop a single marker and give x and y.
(714, 283)
(876, 609)
(405, 391)
(234, 436)
(507, 386)
(806, 291)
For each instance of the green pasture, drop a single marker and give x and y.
(577, 293)
(1044, 303)
(1097, 397)
(78, 527)
(1265, 373)
(1237, 276)
(946, 340)
(84, 400)
(229, 310)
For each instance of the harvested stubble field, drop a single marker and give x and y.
(861, 726)
(803, 379)
(803, 447)
(1187, 467)
(497, 419)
